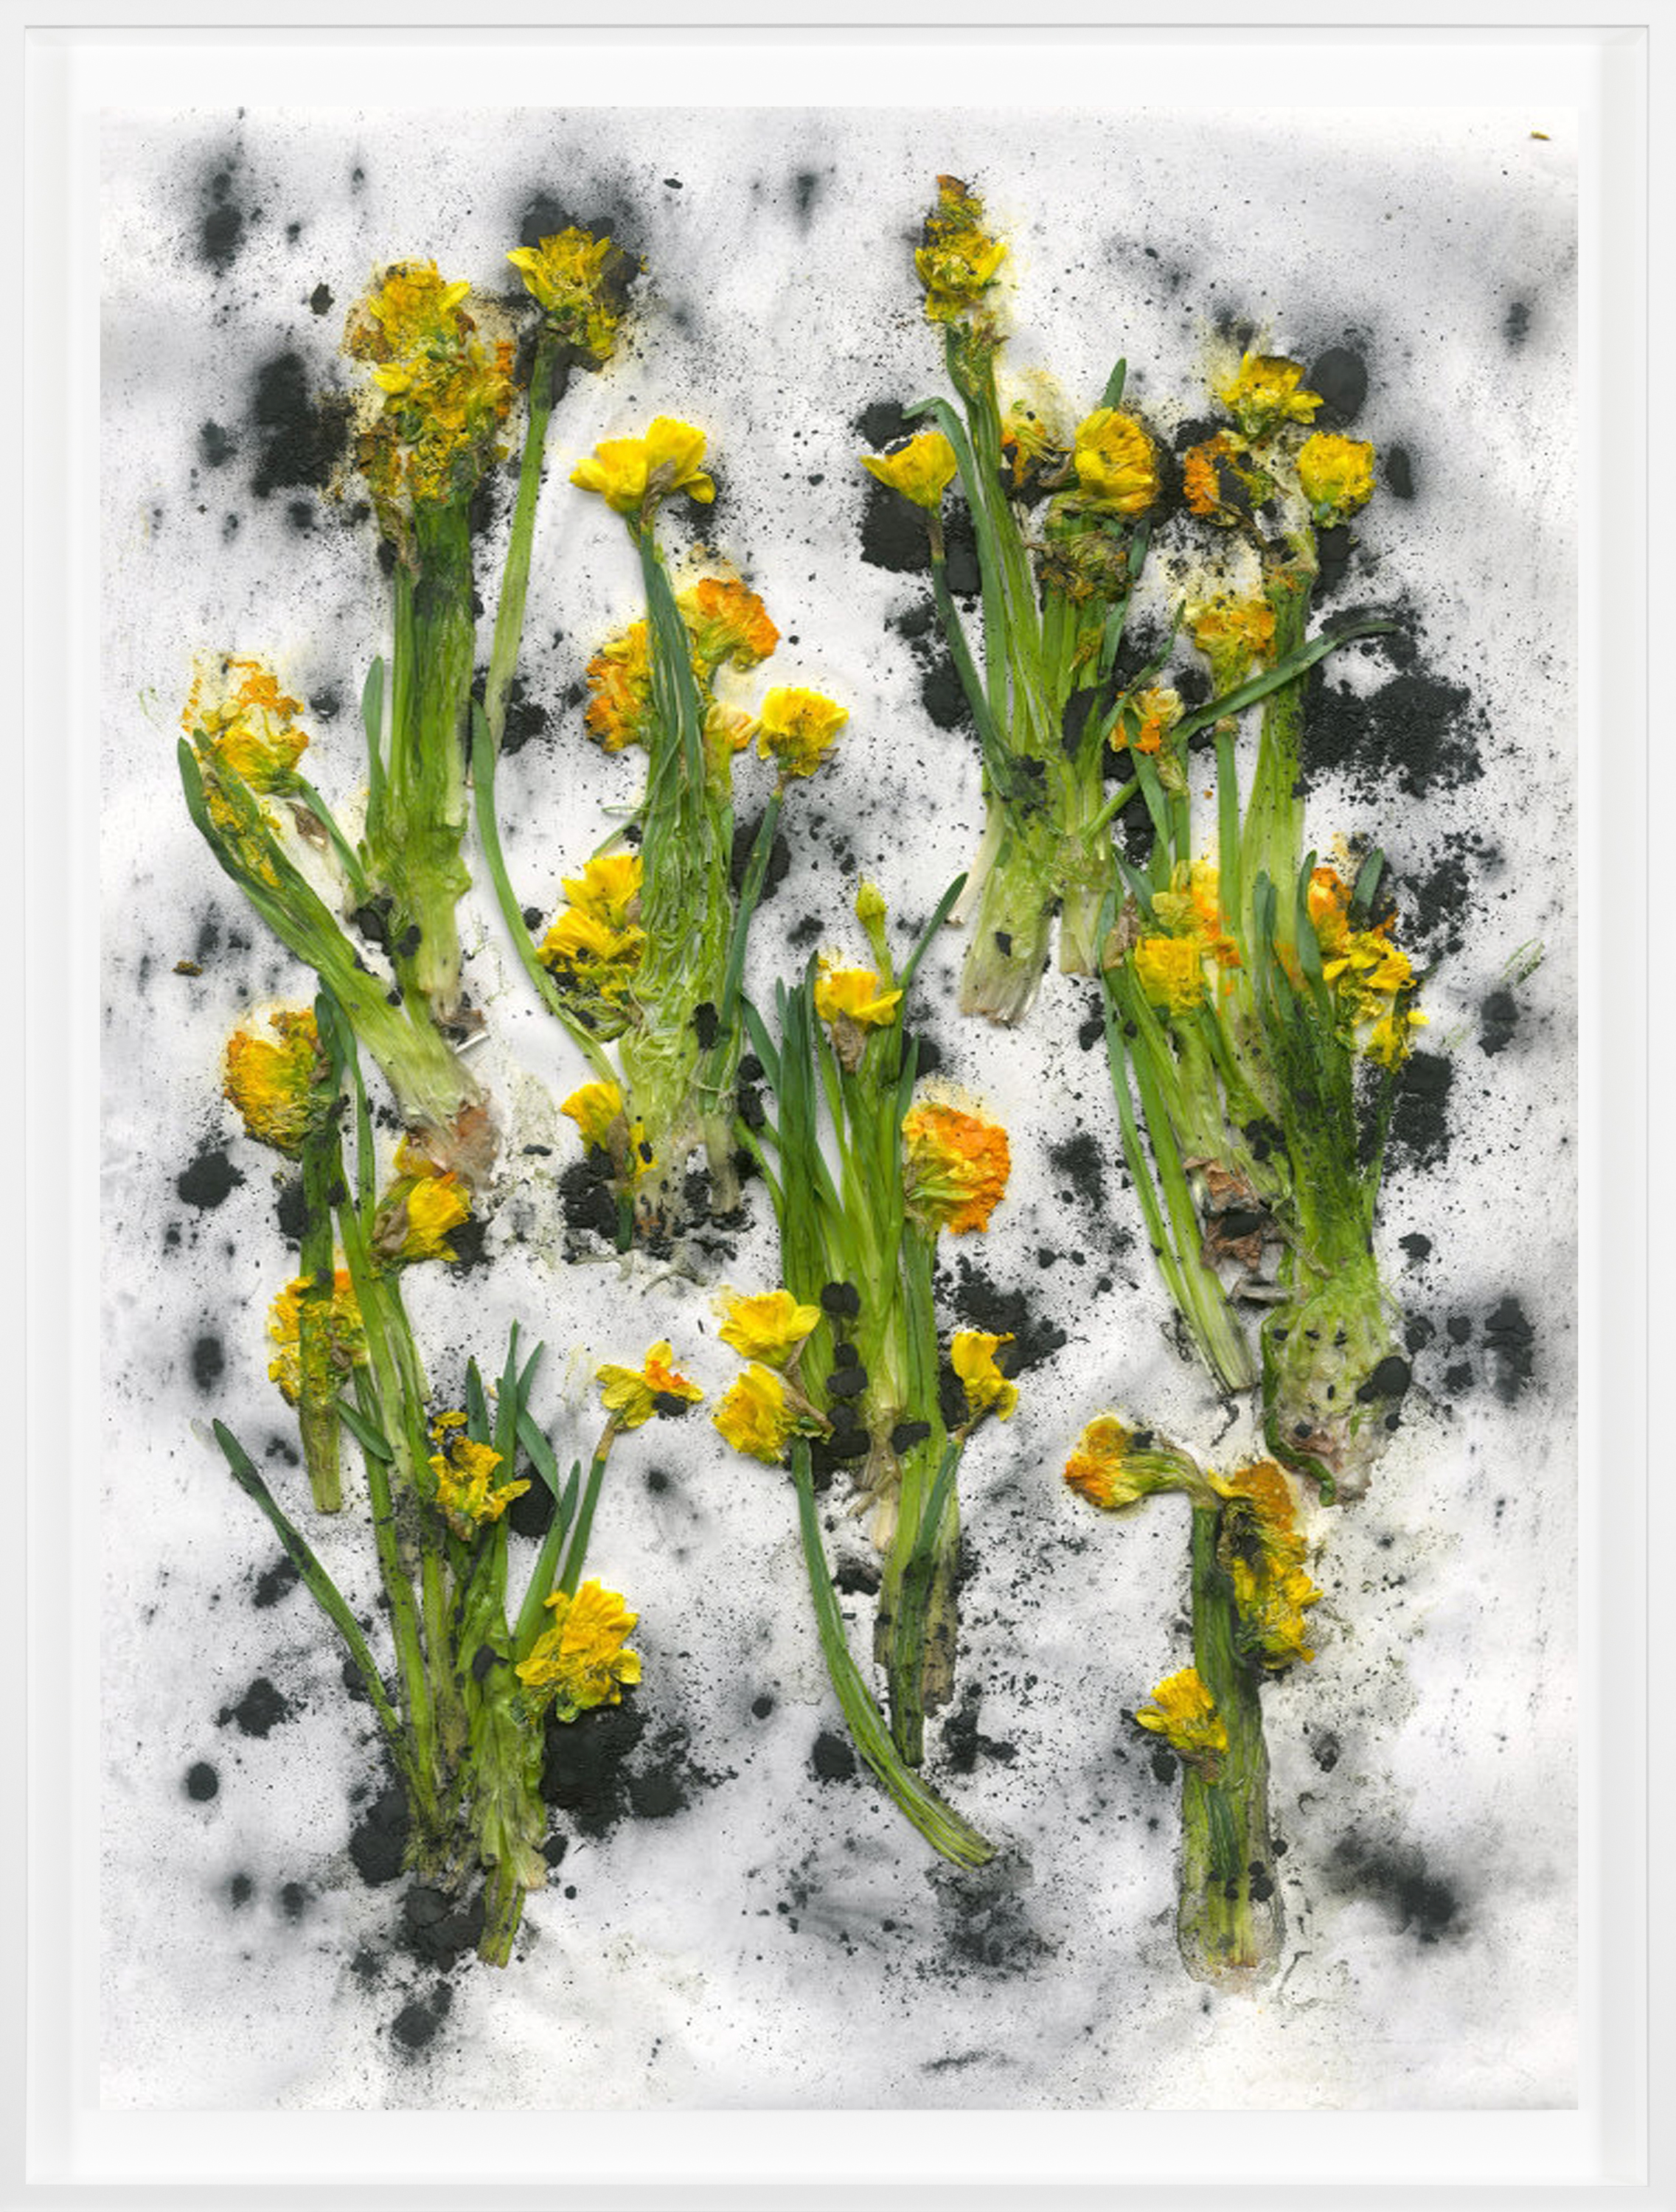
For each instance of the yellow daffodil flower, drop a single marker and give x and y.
(1100, 1469)
(769, 1326)
(1265, 390)
(581, 940)
(631, 1395)
(958, 262)
(1232, 634)
(580, 1660)
(972, 1355)
(955, 1166)
(416, 1215)
(463, 1487)
(619, 678)
(727, 624)
(633, 475)
(1184, 1713)
(269, 1083)
(1116, 467)
(607, 887)
(565, 275)
(597, 1110)
(797, 728)
(756, 1417)
(852, 994)
(1171, 971)
(921, 470)
(1336, 475)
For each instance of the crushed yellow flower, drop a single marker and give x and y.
(596, 1110)
(1099, 1468)
(269, 1083)
(413, 310)
(1271, 1596)
(921, 470)
(580, 1661)
(769, 1326)
(852, 994)
(1117, 468)
(445, 394)
(463, 1488)
(955, 1166)
(755, 1416)
(727, 729)
(1171, 972)
(1262, 1485)
(631, 1395)
(346, 1340)
(959, 261)
(415, 1217)
(1232, 634)
(726, 622)
(1265, 390)
(607, 887)
(567, 274)
(972, 1355)
(237, 710)
(1184, 1713)
(1336, 475)
(1148, 720)
(619, 677)
(633, 475)
(797, 728)
(1201, 479)
(581, 940)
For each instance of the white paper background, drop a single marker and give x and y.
(674, 1976)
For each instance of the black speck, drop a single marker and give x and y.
(320, 299)
(201, 1782)
(210, 1178)
(209, 1361)
(260, 1709)
(1516, 323)
(832, 1758)
(1499, 1018)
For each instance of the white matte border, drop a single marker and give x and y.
(791, 2159)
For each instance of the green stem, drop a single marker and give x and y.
(936, 1821)
(1228, 1923)
(515, 576)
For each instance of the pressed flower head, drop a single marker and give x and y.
(1171, 972)
(619, 678)
(597, 1110)
(797, 728)
(607, 887)
(854, 995)
(270, 1083)
(1232, 633)
(921, 470)
(345, 1340)
(1116, 465)
(417, 1215)
(771, 1325)
(1102, 1468)
(955, 1166)
(727, 624)
(631, 1395)
(1184, 1713)
(959, 261)
(972, 1355)
(464, 1490)
(633, 475)
(1336, 476)
(237, 712)
(571, 276)
(581, 1661)
(755, 1416)
(1265, 390)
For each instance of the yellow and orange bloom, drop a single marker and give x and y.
(1184, 1713)
(1102, 1468)
(797, 728)
(1233, 634)
(1265, 390)
(619, 677)
(464, 1492)
(445, 394)
(580, 1660)
(270, 1083)
(1271, 1596)
(756, 1416)
(727, 622)
(237, 713)
(346, 1339)
(579, 940)
(771, 1325)
(631, 1395)
(955, 1166)
(972, 1355)
(1151, 716)
(634, 475)
(1336, 475)
(1116, 464)
(921, 470)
